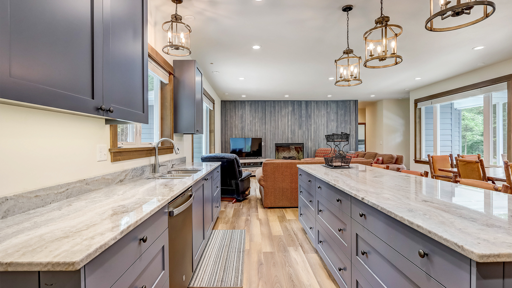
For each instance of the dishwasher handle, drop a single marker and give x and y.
(176, 211)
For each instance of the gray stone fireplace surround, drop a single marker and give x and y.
(288, 122)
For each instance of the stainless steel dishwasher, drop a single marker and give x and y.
(180, 240)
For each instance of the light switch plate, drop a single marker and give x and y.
(101, 153)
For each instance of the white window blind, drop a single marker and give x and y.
(208, 102)
(162, 74)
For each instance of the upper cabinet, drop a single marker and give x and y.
(188, 97)
(87, 56)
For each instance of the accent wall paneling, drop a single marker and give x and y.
(289, 122)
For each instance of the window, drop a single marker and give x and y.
(468, 123)
(204, 143)
(144, 135)
(361, 135)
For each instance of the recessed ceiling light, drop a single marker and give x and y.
(256, 47)
(243, 96)
(258, 0)
(478, 47)
(417, 78)
(332, 78)
(189, 18)
(226, 93)
(406, 89)
(286, 96)
(329, 96)
(215, 72)
(372, 95)
(241, 78)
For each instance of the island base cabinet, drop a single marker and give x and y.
(19, 279)
(358, 281)
(337, 262)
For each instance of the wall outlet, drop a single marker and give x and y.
(101, 153)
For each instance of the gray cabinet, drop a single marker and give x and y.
(76, 55)
(125, 72)
(364, 247)
(208, 206)
(188, 97)
(197, 223)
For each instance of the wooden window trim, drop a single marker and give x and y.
(166, 119)
(417, 122)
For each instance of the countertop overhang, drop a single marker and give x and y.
(66, 235)
(474, 222)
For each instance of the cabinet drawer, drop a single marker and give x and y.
(107, 267)
(447, 266)
(339, 265)
(216, 173)
(216, 208)
(151, 269)
(308, 197)
(382, 265)
(338, 228)
(358, 281)
(308, 180)
(216, 185)
(333, 195)
(307, 219)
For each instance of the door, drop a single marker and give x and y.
(51, 53)
(197, 223)
(208, 206)
(126, 60)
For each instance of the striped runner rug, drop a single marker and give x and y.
(222, 263)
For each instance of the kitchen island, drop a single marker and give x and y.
(56, 243)
(379, 228)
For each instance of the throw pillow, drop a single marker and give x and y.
(388, 158)
(370, 155)
(378, 160)
(361, 154)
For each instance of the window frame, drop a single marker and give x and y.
(418, 116)
(211, 124)
(166, 119)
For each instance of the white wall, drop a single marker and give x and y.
(45, 148)
(374, 130)
(361, 115)
(475, 76)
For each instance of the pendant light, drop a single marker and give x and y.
(348, 66)
(178, 35)
(381, 43)
(462, 8)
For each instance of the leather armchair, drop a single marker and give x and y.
(234, 183)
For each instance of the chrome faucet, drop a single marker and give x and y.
(157, 166)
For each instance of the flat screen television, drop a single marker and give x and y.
(246, 147)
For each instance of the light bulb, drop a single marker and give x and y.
(441, 2)
(341, 70)
(371, 46)
(352, 68)
(169, 34)
(355, 70)
(393, 44)
(379, 48)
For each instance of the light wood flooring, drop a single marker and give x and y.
(277, 250)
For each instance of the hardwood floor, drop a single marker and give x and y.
(277, 250)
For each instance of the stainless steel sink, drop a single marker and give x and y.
(176, 174)
(183, 172)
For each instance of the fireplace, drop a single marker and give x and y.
(290, 151)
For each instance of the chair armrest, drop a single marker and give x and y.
(246, 175)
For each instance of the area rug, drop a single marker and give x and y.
(222, 263)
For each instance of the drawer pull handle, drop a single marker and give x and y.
(364, 253)
(143, 286)
(320, 211)
(341, 230)
(300, 192)
(300, 174)
(361, 214)
(300, 214)
(320, 242)
(342, 269)
(144, 239)
(205, 179)
(310, 228)
(338, 200)
(319, 187)
(422, 254)
(309, 181)
(310, 201)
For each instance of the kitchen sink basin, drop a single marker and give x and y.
(183, 172)
(176, 174)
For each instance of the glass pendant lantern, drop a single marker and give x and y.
(381, 43)
(348, 66)
(178, 35)
(461, 8)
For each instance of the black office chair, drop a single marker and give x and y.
(234, 183)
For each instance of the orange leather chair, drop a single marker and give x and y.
(416, 173)
(470, 157)
(471, 169)
(441, 161)
(508, 172)
(485, 185)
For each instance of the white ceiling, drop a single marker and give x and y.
(300, 39)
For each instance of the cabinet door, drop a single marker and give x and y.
(199, 101)
(208, 206)
(51, 53)
(197, 223)
(125, 77)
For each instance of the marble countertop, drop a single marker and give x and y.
(66, 235)
(474, 222)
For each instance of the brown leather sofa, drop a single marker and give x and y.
(395, 162)
(279, 181)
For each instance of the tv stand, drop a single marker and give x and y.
(252, 164)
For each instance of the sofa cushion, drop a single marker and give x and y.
(361, 154)
(370, 155)
(388, 158)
